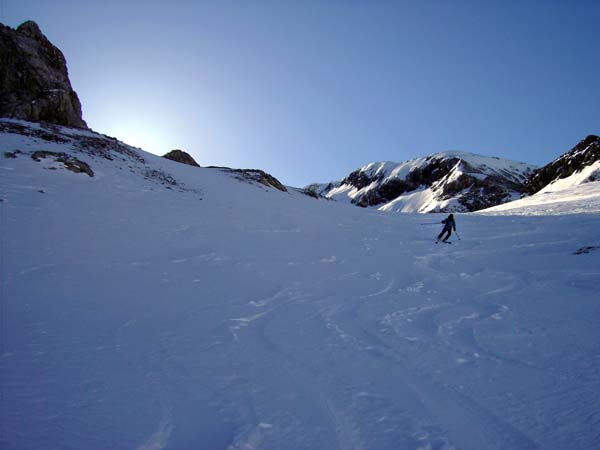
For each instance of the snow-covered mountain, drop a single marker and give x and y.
(566, 196)
(148, 304)
(581, 159)
(568, 185)
(443, 182)
(577, 193)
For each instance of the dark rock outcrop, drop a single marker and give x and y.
(261, 177)
(12, 155)
(181, 157)
(580, 156)
(70, 162)
(253, 176)
(585, 250)
(34, 81)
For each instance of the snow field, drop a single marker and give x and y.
(571, 195)
(235, 316)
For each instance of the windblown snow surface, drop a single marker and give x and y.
(234, 316)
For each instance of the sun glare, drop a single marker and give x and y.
(139, 135)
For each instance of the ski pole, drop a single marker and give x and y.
(457, 235)
(429, 223)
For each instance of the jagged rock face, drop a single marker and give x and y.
(181, 157)
(582, 155)
(444, 182)
(34, 82)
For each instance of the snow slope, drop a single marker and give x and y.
(578, 159)
(578, 193)
(442, 182)
(217, 314)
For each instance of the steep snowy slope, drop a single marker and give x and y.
(218, 314)
(579, 158)
(578, 193)
(443, 182)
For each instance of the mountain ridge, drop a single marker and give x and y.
(64, 148)
(451, 181)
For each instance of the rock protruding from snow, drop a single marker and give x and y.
(34, 81)
(254, 176)
(69, 162)
(583, 155)
(443, 182)
(181, 157)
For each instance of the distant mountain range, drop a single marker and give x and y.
(454, 181)
(443, 182)
(35, 87)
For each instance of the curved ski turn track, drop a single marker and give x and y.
(155, 320)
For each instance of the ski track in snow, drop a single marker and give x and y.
(257, 319)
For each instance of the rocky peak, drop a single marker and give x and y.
(181, 157)
(31, 29)
(34, 81)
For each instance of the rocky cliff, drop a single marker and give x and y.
(34, 81)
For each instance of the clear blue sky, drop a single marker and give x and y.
(310, 90)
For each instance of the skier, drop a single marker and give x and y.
(449, 225)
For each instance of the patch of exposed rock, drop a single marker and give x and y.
(254, 175)
(181, 157)
(69, 162)
(585, 250)
(34, 81)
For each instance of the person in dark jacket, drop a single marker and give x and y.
(449, 225)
